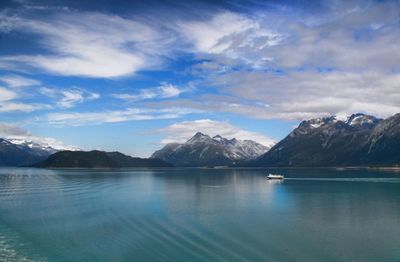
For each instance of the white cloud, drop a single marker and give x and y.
(163, 91)
(354, 36)
(168, 90)
(7, 22)
(308, 94)
(340, 47)
(6, 94)
(114, 116)
(69, 98)
(231, 35)
(7, 103)
(22, 107)
(342, 61)
(18, 81)
(209, 36)
(92, 45)
(11, 130)
(298, 95)
(181, 132)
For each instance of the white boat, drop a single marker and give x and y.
(272, 176)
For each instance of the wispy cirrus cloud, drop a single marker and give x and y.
(182, 131)
(347, 35)
(89, 44)
(341, 62)
(283, 63)
(231, 37)
(18, 81)
(215, 35)
(165, 90)
(67, 98)
(298, 95)
(115, 116)
(301, 95)
(8, 102)
(21, 107)
(6, 95)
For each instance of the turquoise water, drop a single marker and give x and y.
(199, 215)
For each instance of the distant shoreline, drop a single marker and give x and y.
(381, 168)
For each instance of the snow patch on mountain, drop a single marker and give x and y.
(46, 144)
(232, 148)
(354, 120)
(203, 150)
(362, 120)
(199, 138)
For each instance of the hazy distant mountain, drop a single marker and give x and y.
(97, 159)
(19, 152)
(203, 150)
(358, 140)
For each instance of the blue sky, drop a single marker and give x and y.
(134, 75)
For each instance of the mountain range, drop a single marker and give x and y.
(21, 152)
(358, 140)
(355, 141)
(97, 159)
(203, 150)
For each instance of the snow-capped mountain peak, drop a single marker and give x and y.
(202, 150)
(317, 122)
(17, 151)
(47, 144)
(355, 120)
(218, 138)
(361, 119)
(199, 138)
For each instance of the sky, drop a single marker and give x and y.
(132, 76)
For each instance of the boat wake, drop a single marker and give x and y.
(350, 179)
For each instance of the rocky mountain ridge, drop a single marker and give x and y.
(203, 150)
(358, 140)
(21, 152)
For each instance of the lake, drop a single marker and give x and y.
(199, 215)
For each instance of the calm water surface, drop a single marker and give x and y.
(199, 215)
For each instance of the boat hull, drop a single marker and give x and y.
(277, 177)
